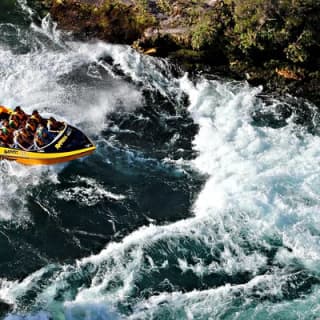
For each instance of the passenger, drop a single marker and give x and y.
(14, 122)
(21, 115)
(39, 142)
(36, 117)
(15, 143)
(22, 138)
(5, 125)
(53, 125)
(5, 136)
(31, 126)
(43, 135)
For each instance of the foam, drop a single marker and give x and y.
(217, 303)
(262, 185)
(261, 171)
(33, 80)
(88, 195)
(256, 177)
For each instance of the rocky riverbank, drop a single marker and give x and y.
(273, 43)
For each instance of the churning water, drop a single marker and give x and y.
(201, 202)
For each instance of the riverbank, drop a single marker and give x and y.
(271, 44)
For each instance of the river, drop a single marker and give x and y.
(201, 201)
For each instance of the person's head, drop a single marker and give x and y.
(35, 113)
(17, 109)
(5, 122)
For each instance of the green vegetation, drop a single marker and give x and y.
(165, 6)
(143, 17)
(286, 29)
(114, 20)
(203, 33)
(265, 40)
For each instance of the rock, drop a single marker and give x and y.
(288, 74)
(273, 43)
(120, 21)
(5, 308)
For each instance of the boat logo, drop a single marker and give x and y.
(60, 143)
(10, 151)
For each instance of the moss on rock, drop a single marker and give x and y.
(275, 43)
(115, 21)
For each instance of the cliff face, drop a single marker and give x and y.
(275, 43)
(165, 24)
(114, 21)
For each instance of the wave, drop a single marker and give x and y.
(251, 248)
(251, 222)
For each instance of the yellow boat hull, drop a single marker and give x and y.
(55, 152)
(42, 158)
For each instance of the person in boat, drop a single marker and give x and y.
(6, 134)
(31, 126)
(5, 125)
(54, 126)
(36, 117)
(14, 122)
(20, 115)
(22, 139)
(42, 136)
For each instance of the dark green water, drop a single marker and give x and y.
(201, 201)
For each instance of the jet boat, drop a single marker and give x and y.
(67, 144)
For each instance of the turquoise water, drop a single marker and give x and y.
(201, 201)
